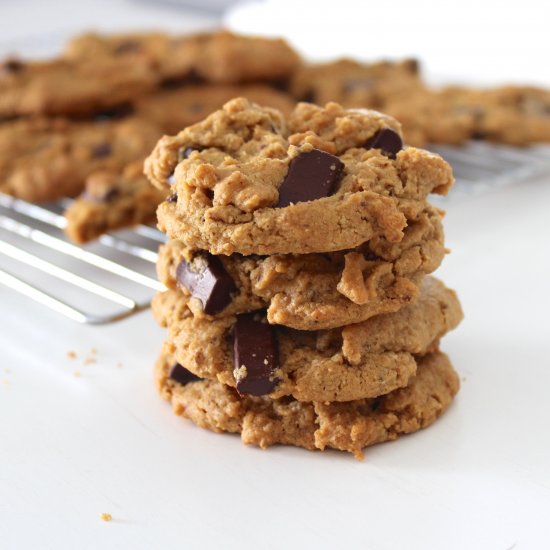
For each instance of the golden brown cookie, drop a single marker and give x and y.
(113, 200)
(354, 84)
(220, 56)
(174, 109)
(363, 360)
(347, 426)
(62, 87)
(46, 159)
(314, 291)
(248, 181)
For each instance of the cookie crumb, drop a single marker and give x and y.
(77, 373)
(105, 516)
(71, 355)
(89, 361)
(119, 365)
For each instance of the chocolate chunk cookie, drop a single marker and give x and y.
(234, 172)
(62, 87)
(46, 159)
(362, 360)
(348, 426)
(354, 84)
(113, 200)
(219, 57)
(319, 291)
(174, 109)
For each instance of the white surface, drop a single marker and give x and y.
(74, 447)
(488, 42)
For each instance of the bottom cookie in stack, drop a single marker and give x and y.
(346, 426)
(345, 388)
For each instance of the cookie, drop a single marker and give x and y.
(347, 426)
(315, 291)
(362, 360)
(249, 182)
(516, 115)
(62, 87)
(173, 109)
(354, 84)
(219, 57)
(46, 159)
(113, 200)
(454, 115)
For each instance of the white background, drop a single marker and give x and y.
(72, 447)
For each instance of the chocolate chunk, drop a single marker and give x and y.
(102, 150)
(255, 354)
(310, 176)
(206, 279)
(182, 375)
(115, 113)
(11, 66)
(172, 198)
(412, 65)
(107, 196)
(127, 46)
(388, 140)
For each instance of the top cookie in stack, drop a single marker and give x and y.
(318, 223)
(247, 181)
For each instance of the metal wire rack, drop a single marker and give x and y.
(98, 283)
(115, 276)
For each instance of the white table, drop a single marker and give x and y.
(73, 447)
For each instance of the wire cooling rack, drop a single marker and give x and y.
(115, 276)
(97, 283)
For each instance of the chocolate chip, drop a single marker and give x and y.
(308, 97)
(107, 196)
(172, 198)
(255, 354)
(375, 404)
(206, 279)
(102, 150)
(310, 176)
(388, 140)
(412, 65)
(181, 375)
(11, 66)
(127, 46)
(116, 113)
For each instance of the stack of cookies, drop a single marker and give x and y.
(300, 309)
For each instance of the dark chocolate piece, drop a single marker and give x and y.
(172, 198)
(108, 196)
(412, 65)
(255, 354)
(127, 46)
(102, 150)
(181, 375)
(388, 140)
(206, 279)
(119, 112)
(310, 176)
(11, 66)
